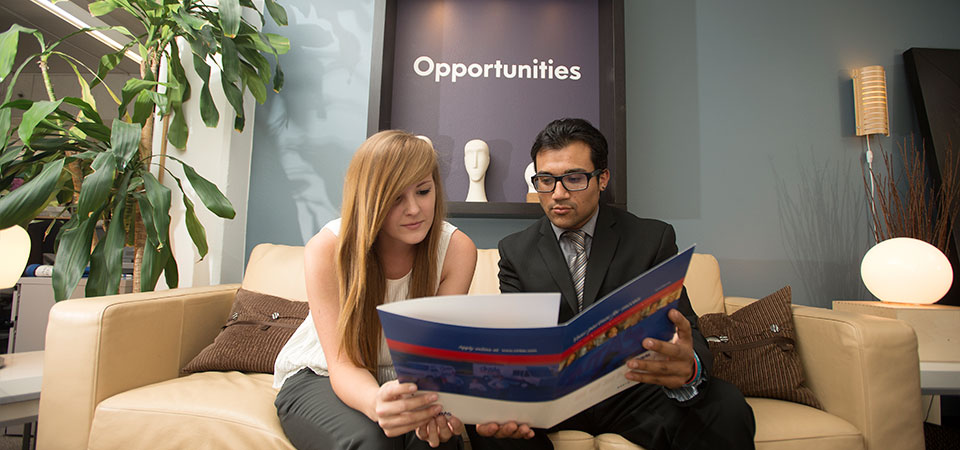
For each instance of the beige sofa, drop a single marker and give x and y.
(112, 363)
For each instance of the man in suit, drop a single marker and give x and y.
(585, 250)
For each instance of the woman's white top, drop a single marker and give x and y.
(304, 350)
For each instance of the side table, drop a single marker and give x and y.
(937, 326)
(20, 380)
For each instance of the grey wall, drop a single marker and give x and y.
(305, 135)
(740, 132)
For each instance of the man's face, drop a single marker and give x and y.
(566, 209)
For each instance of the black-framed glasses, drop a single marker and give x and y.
(573, 181)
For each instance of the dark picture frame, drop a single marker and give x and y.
(933, 75)
(610, 121)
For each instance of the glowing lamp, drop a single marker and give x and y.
(15, 249)
(906, 270)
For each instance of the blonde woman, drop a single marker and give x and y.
(338, 389)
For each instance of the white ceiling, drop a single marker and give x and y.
(83, 47)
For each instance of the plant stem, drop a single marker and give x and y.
(45, 71)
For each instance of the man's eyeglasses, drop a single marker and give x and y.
(574, 181)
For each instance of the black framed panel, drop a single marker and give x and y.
(934, 77)
(457, 70)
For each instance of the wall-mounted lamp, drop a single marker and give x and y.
(870, 102)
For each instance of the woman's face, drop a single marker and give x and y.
(411, 216)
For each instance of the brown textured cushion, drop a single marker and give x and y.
(755, 349)
(257, 328)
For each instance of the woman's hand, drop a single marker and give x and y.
(440, 429)
(399, 410)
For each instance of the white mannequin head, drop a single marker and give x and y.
(528, 177)
(476, 157)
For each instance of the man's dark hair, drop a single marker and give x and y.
(563, 132)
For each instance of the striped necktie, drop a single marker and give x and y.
(579, 268)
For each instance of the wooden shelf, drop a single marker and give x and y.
(499, 210)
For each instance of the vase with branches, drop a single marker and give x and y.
(101, 173)
(908, 204)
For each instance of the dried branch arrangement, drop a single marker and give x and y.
(907, 205)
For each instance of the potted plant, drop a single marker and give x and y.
(62, 151)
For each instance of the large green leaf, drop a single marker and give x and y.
(230, 60)
(179, 92)
(197, 233)
(73, 254)
(8, 49)
(37, 112)
(124, 141)
(107, 63)
(178, 132)
(254, 83)
(277, 12)
(154, 252)
(208, 108)
(234, 97)
(278, 79)
(159, 197)
(22, 103)
(254, 57)
(97, 185)
(161, 100)
(230, 17)
(131, 89)
(97, 131)
(208, 192)
(188, 21)
(280, 43)
(102, 7)
(89, 110)
(27, 201)
(170, 272)
(143, 106)
(106, 262)
(4, 129)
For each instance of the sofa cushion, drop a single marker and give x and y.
(203, 410)
(785, 425)
(257, 328)
(269, 263)
(755, 348)
(703, 284)
(780, 426)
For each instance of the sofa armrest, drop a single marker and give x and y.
(98, 347)
(863, 369)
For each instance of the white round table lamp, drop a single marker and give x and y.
(906, 270)
(15, 248)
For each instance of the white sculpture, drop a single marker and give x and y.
(476, 158)
(528, 177)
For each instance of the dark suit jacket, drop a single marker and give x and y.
(624, 246)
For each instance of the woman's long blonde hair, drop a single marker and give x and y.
(384, 166)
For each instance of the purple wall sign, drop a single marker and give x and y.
(493, 70)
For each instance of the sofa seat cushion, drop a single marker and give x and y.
(203, 410)
(783, 425)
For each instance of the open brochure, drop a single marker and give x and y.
(496, 358)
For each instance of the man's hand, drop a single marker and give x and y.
(674, 364)
(440, 429)
(509, 430)
(399, 410)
